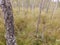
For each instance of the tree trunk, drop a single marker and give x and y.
(8, 16)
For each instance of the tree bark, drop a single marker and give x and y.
(8, 18)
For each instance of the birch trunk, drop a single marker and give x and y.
(8, 17)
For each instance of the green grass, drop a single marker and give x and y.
(25, 23)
